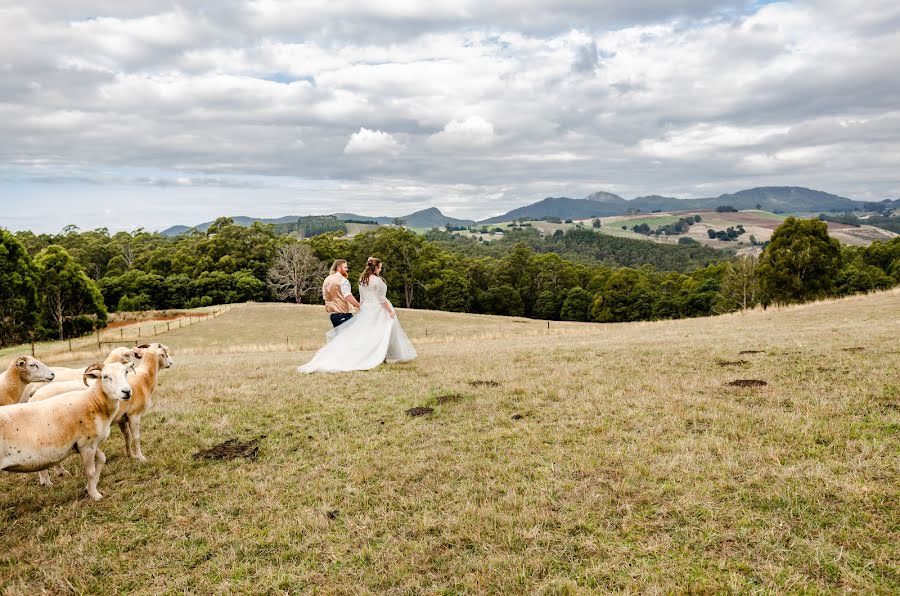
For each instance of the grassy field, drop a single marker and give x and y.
(587, 458)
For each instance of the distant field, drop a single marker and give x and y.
(354, 228)
(760, 224)
(590, 458)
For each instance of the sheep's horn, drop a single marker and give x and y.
(88, 371)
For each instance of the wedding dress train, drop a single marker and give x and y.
(371, 337)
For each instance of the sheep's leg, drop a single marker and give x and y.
(89, 456)
(135, 423)
(101, 462)
(44, 475)
(126, 432)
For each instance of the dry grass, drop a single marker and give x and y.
(608, 457)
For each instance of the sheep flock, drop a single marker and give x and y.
(49, 413)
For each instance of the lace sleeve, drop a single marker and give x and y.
(381, 290)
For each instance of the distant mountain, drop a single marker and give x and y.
(565, 208)
(766, 198)
(383, 220)
(427, 218)
(785, 199)
(176, 230)
(433, 218)
(605, 197)
(240, 220)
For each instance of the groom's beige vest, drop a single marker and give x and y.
(334, 298)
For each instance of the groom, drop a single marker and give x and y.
(337, 293)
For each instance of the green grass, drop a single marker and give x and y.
(605, 458)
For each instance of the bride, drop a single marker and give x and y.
(371, 337)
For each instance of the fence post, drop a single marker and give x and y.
(167, 326)
(70, 344)
(32, 349)
(99, 347)
(154, 329)
(121, 332)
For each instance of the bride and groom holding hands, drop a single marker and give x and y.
(365, 340)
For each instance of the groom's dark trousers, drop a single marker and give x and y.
(338, 318)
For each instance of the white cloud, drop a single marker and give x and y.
(501, 99)
(371, 142)
(474, 131)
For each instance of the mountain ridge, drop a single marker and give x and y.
(602, 204)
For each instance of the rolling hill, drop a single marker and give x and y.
(426, 218)
(753, 452)
(776, 199)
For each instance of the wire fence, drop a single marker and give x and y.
(136, 333)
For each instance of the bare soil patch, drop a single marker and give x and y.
(419, 411)
(747, 383)
(448, 398)
(232, 449)
(732, 362)
(853, 349)
(742, 352)
(481, 383)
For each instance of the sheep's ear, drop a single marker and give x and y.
(138, 353)
(144, 346)
(94, 370)
(22, 362)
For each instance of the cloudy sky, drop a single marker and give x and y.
(149, 113)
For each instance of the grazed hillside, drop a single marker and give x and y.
(593, 457)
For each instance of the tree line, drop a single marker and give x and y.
(65, 284)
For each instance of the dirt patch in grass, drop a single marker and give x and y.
(747, 383)
(419, 411)
(232, 449)
(853, 349)
(732, 362)
(448, 398)
(518, 416)
(742, 352)
(481, 383)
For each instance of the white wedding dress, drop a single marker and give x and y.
(371, 337)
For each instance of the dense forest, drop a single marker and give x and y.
(60, 285)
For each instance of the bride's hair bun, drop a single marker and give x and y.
(372, 264)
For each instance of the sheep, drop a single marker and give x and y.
(14, 380)
(74, 375)
(123, 355)
(58, 388)
(153, 358)
(35, 436)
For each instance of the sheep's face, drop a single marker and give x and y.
(122, 355)
(112, 379)
(164, 360)
(33, 371)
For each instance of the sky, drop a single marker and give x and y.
(151, 113)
